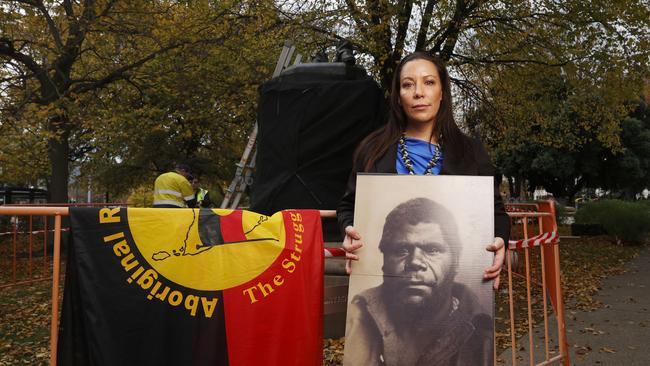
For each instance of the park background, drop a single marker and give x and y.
(103, 96)
(97, 98)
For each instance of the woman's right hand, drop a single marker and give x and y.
(351, 242)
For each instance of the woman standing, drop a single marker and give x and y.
(421, 137)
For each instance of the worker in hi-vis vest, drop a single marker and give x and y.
(203, 198)
(173, 189)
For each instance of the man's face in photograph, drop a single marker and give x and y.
(417, 262)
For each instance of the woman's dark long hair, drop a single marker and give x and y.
(447, 133)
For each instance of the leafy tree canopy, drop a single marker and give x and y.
(123, 90)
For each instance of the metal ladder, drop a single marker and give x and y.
(246, 165)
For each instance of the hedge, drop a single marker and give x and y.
(625, 220)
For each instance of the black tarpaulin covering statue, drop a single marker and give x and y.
(311, 118)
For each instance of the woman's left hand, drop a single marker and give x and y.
(498, 247)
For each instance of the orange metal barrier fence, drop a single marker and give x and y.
(542, 212)
(57, 212)
(33, 234)
(26, 243)
(542, 275)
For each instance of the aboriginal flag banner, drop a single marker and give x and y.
(192, 287)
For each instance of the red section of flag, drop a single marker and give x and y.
(276, 319)
(231, 227)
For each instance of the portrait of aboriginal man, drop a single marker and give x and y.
(419, 314)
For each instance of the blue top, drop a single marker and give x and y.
(420, 152)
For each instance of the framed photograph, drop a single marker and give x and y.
(417, 294)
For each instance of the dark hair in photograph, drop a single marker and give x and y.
(422, 210)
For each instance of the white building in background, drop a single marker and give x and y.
(540, 193)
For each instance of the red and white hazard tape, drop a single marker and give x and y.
(526, 208)
(516, 209)
(33, 232)
(334, 252)
(535, 241)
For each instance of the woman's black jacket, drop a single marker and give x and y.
(474, 161)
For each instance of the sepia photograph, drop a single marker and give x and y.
(417, 295)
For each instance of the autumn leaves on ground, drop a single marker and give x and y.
(25, 310)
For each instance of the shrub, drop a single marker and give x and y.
(587, 229)
(628, 222)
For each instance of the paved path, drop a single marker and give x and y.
(618, 334)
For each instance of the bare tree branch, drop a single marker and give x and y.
(451, 33)
(119, 73)
(7, 49)
(424, 26)
(67, 6)
(122, 73)
(54, 30)
(403, 20)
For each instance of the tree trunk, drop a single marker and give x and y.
(518, 185)
(511, 187)
(59, 152)
(522, 192)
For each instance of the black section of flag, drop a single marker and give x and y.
(107, 320)
(210, 228)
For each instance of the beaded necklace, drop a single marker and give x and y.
(407, 161)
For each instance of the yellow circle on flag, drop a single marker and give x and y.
(169, 241)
